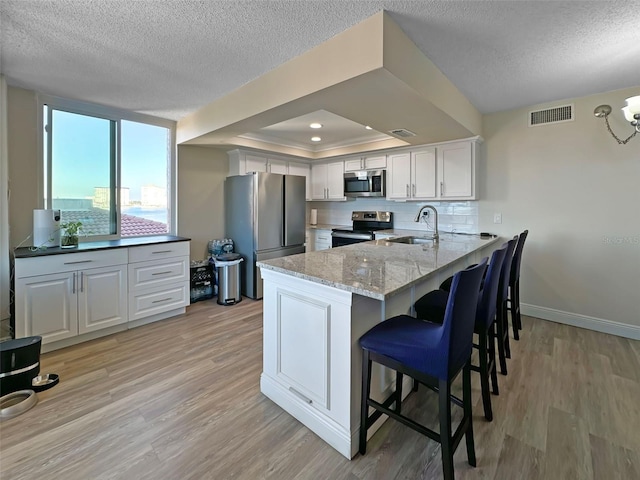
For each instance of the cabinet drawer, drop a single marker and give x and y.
(145, 304)
(156, 273)
(158, 251)
(69, 262)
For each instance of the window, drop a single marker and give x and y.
(112, 171)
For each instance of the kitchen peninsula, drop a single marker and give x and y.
(316, 307)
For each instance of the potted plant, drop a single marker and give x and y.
(69, 238)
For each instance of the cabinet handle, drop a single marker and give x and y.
(298, 394)
(441, 188)
(79, 261)
(73, 288)
(162, 300)
(81, 282)
(161, 273)
(407, 189)
(414, 189)
(161, 251)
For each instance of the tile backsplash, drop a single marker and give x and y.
(452, 216)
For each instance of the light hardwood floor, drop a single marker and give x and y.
(180, 399)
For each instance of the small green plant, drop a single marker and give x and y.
(70, 232)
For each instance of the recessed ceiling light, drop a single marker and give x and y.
(315, 139)
(368, 127)
(315, 125)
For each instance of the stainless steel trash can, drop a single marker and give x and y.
(228, 273)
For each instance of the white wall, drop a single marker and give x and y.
(578, 193)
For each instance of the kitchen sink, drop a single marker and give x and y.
(412, 240)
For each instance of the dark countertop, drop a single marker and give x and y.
(28, 252)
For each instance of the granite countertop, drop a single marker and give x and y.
(377, 269)
(26, 252)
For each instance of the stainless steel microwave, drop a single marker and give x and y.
(366, 183)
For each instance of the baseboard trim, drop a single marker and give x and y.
(327, 429)
(582, 321)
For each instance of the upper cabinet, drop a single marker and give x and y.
(303, 170)
(365, 163)
(442, 172)
(327, 181)
(445, 171)
(456, 170)
(412, 175)
(241, 162)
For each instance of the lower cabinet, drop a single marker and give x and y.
(158, 279)
(73, 302)
(322, 240)
(68, 295)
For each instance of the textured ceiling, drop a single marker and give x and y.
(169, 58)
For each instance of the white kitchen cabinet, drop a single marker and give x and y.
(441, 172)
(158, 279)
(277, 166)
(71, 297)
(242, 162)
(327, 181)
(57, 300)
(412, 175)
(322, 239)
(255, 163)
(365, 163)
(303, 170)
(309, 240)
(456, 170)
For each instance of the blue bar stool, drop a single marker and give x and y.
(431, 307)
(502, 322)
(433, 355)
(514, 286)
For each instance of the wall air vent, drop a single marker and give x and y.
(564, 113)
(402, 132)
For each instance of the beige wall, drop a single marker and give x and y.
(24, 163)
(578, 193)
(201, 174)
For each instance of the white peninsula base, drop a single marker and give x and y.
(312, 360)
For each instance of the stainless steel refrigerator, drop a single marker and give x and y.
(265, 218)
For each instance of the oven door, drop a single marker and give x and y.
(339, 239)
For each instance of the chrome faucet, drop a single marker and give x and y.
(436, 235)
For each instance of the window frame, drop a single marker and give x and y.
(116, 115)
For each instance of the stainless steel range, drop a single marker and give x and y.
(364, 226)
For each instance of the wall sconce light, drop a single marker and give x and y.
(631, 113)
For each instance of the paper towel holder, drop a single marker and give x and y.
(313, 217)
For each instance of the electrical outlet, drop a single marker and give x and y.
(497, 218)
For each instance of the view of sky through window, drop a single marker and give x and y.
(81, 174)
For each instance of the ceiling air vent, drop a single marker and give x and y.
(560, 114)
(402, 132)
